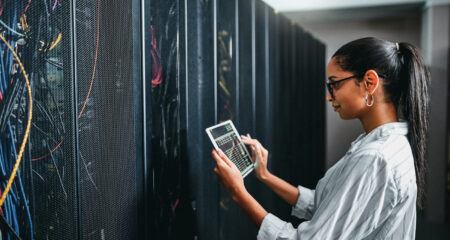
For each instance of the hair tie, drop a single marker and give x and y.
(398, 47)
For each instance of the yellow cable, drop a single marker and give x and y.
(27, 130)
(23, 22)
(224, 87)
(54, 43)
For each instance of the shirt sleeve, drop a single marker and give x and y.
(304, 208)
(363, 199)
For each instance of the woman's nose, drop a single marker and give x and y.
(328, 97)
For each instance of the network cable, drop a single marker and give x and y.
(27, 131)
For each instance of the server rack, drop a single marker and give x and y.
(200, 107)
(118, 148)
(448, 141)
(242, 61)
(263, 99)
(107, 82)
(82, 164)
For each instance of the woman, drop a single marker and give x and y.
(372, 191)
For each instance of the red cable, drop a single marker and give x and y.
(27, 6)
(46, 155)
(156, 61)
(95, 59)
(175, 204)
(92, 79)
(2, 6)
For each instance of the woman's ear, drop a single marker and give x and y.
(371, 81)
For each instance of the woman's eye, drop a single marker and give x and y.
(337, 85)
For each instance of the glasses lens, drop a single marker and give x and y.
(330, 89)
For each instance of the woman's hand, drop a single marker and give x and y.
(260, 154)
(229, 174)
(232, 180)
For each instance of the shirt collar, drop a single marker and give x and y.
(393, 128)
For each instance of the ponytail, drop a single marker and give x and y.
(406, 86)
(414, 103)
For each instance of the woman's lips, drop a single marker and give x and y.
(336, 108)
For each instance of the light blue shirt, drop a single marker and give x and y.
(370, 193)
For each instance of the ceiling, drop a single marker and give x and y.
(307, 5)
(410, 10)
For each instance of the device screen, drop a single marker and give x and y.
(227, 140)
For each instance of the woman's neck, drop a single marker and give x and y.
(378, 115)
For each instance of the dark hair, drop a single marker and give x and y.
(406, 86)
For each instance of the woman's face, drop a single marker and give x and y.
(349, 95)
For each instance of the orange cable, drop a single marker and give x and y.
(57, 40)
(95, 59)
(46, 155)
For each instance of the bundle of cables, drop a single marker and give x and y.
(13, 81)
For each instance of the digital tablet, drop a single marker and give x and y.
(225, 137)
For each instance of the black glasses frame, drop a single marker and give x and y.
(330, 85)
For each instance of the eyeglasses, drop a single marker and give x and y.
(331, 85)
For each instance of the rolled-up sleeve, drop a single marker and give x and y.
(365, 197)
(274, 228)
(304, 208)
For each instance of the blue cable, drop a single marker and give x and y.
(4, 154)
(15, 221)
(13, 216)
(2, 167)
(9, 59)
(8, 152)
(7, 209)
(10, 29)
(3, 76)
(25, 201)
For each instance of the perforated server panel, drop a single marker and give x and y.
(108, 80)
(84, 175)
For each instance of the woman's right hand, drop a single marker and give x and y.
(260, 154)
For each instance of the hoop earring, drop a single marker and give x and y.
(373, 100)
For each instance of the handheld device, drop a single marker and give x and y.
(225, 137)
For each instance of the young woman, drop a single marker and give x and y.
(373, 190)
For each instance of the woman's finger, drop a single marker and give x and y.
(225, 159)
(219, 161)
(221, 157)
(262, 148)
(253, 142)
(249, 141)
(215, 156)
(253, 153)
(259, 152)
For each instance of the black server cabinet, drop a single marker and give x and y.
(227, 77)
(82, 168)
(282, 120)
(235, 95)
(170, 206)
(217, 60)
(263, 99)
(299, 107)
(200, 108)
(109, 105)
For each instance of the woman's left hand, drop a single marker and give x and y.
(228, 173)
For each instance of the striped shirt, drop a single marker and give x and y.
(370, 193)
